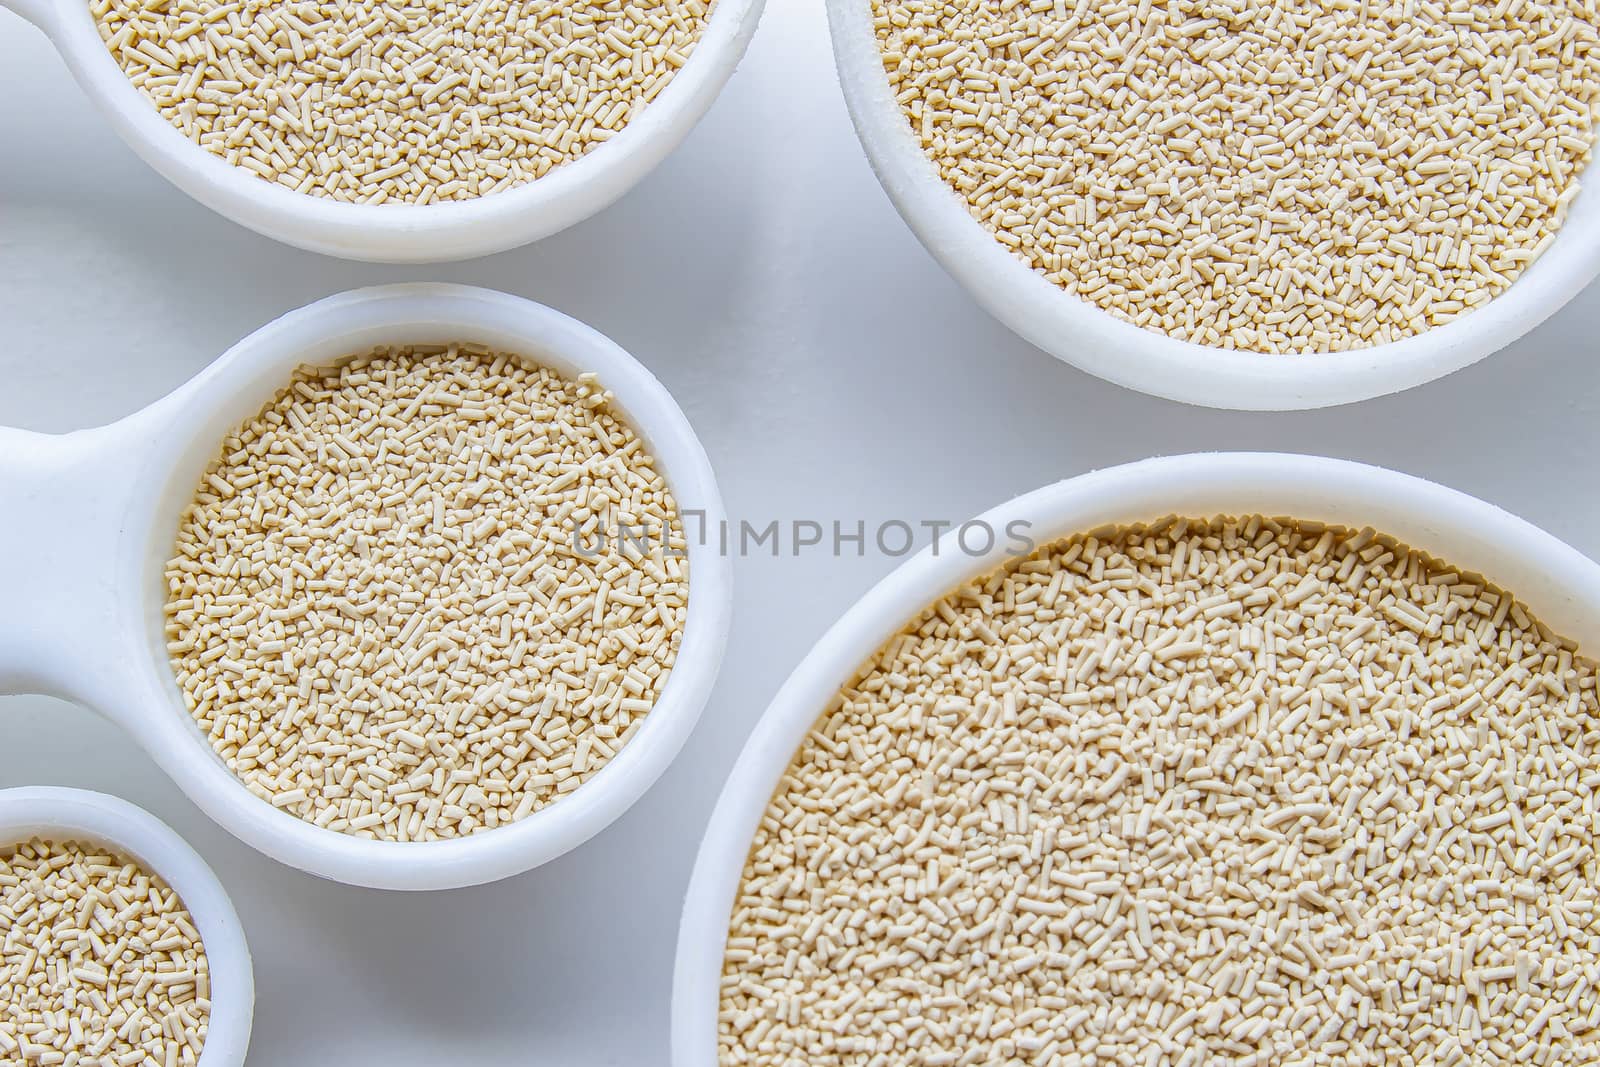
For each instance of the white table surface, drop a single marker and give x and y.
(833, 372)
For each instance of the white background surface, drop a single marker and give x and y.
(833, 372)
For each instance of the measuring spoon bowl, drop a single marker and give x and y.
(1077, 331)
(57, 815)
(401, 233)
(1559, 584)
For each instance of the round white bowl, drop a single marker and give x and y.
(1078, 332)
(401, 233)
(79, 815)
(92, 517)
(1560, 584)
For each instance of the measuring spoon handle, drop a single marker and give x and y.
(63, 510)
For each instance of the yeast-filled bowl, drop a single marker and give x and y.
(400, 233)
(93, 517)
(59, 815)
(1559, 584)
(1078, 332)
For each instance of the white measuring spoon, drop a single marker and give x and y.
(79, 815)
(91, 518)
(1079, 332)
(401, 233)
(1557, 581)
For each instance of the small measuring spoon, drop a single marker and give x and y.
(79, 815)
(91, 518)
(401, 233)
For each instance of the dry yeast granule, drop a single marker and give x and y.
(1237, 793)
(1267, 175)
(390, 607)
